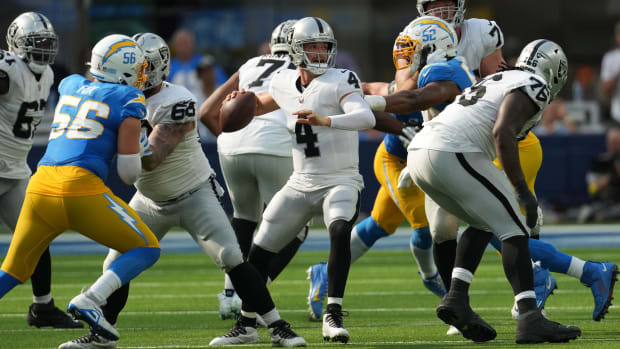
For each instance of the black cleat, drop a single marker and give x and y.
(47, 315)
(533, 327)
(457, 312)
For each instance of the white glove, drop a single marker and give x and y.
(408, 133)
(144, 144)
(539, 222)
(404, 179)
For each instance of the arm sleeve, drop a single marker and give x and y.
(129, 167)
(357, 114)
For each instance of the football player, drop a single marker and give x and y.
(479, 42)
(599, 277)
(256, 160)
(482, 36)
(453, 157)
(25, 82)
(325, 109)
(93, 122)
(178, 188)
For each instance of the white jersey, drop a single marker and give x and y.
(467, 124)
(265, 134)
(322, 156)
(186, 167)
(479, 38)
(21, 110)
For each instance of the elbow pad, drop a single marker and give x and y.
(129, 167)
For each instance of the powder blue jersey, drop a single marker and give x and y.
(86, 122)
(453, 70)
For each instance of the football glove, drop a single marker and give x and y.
(412, 127)
(539, 223)
(144, 144)
(530, 205)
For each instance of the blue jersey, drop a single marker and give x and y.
(86, 122)
(452, 70)
(392, 144)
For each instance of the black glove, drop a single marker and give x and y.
(412, 127)
(528, 201)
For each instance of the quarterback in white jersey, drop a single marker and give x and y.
(451, 160)
(256, 160)
(178, 188)
(325, 108)
(25, 82)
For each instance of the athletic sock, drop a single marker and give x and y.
(421, 246)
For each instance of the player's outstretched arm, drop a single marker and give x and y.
(376, 88)
(163, 140)
(385, 122)
(357, 115)
(209, 112)
(516, 109)
(409, 101)
(128, 148)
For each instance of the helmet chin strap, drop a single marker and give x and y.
(36, 68)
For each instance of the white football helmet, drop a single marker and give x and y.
(157, 55)
(312, 30)
(423, 41)
(32, 38)
(279, 37)
(546, 59)
(455, 15)
(119, 60)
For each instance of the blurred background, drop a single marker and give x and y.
(580, 177)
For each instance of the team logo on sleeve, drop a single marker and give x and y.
(139, 99)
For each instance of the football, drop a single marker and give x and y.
(236, 113)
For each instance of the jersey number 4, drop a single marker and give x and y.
(304, 134)
(75, 121)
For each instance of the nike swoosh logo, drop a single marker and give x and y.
(604, 268)
(549, 283)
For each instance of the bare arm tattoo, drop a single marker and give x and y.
(163, 140)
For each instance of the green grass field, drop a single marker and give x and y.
(174, 304)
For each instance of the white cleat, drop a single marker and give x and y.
(85, 309)
(332, 328)
(283, 336)
(239, 334)
(230, 306)
(89, 341)
(453, 331)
